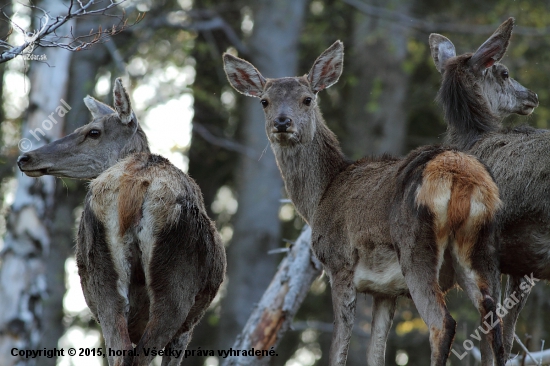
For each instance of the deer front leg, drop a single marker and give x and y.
(343, 305)
(383, 310)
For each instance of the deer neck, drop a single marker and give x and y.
(308, 169)
(467, 113)
(137, 144)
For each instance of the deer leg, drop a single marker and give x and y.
(478, 273)
(343, 304)
(420, 266)
(168, 312)
(177, 344)
(383, 310)
(115, 331)
(515, 292)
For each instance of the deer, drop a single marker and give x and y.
(149, 258)
(476, 94)
(381, 225)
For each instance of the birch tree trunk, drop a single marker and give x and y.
(274, 50)
(28, 239)
(84, 67)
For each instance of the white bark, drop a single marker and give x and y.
(273, 315)
(27, 242)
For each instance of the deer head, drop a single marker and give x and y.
(482, 71)
(289, 103)
(90, 149)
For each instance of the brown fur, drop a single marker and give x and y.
(476, 97)
(463, 179)
(150, 260)
(130, 199)
(375, 223)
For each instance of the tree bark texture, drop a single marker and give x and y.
(23, 283)
(375, 116)
(274, 50)
(274, 313)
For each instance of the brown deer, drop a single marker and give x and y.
(150, 260)
(384, 225)
(476, 93)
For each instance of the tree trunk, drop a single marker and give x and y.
(274, 313)
(28, 239)
(274, 50)
(375, 117)
(83, 72)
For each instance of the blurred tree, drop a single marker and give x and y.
(83, 71)
(23, 285)
(273, 46)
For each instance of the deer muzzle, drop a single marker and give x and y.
(281, 124)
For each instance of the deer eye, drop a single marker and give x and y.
(307, 101)
(505, 74)
(94, 133)
(264, 102)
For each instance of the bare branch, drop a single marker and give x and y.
(199, 21)
(535, 358)
(46, 36)
(222, 142)
(430, 27)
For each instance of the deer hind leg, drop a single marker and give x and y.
(177, 344)
(343, 304)
(383, 310)
(478, 274)
(420, 257)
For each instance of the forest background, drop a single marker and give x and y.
(172, 66)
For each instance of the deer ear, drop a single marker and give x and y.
(327, 68)
(442, 49)
(123, 107)
(97, 108)
(493, 49)
(243, 76)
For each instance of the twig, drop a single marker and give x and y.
(194, 20)
(46, 36)
(525, 349)
(222, 142)
(429, 27)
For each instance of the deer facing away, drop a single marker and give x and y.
(382, 225)
(476, 93)
(150, 260)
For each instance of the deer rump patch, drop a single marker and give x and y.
(461, 195)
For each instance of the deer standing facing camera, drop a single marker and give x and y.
(382, 225)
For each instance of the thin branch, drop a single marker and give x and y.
(430, 27)
(543, 356)
(525, 350)
(199, 21)
(222, 142)
(46, 36)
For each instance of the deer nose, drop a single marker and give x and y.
(23, 159)
(282, 123)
